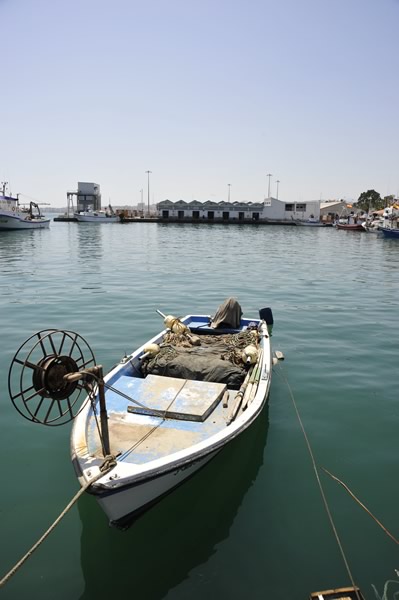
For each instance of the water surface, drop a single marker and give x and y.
(252, 524)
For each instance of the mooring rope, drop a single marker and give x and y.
(107, 465)
(389, 534)
(320, 485)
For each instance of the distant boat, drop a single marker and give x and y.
(350, 226)
(310, 223)
(391, 233)
(351, 222)
(13, 216)
(390, 227)
(373, 225)
(97, 216)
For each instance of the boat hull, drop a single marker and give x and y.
(310, 224)
(124, 506)
(354, 227)
(11, 222)
(96, 219)
(391, 233)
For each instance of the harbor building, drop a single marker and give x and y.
(278, 210)
(331, 209)
(270, 210)
(88, 197)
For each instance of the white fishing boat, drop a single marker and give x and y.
(14, 216)
(160, 414)
(97, 216)
(312, 221)
(373, 224)
(309, 223)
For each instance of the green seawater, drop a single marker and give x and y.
(252, 524)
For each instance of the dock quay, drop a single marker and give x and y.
(221, 221)
(188, 220)
(65, 219)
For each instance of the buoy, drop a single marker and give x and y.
(195, 340)
(250, 355)
(279, 355)
(175, 325)
(150, 350)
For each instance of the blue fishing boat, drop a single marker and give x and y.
(390, 232)
(390, 227)
(162, 413)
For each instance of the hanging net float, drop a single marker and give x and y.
(174, 324)
(150, 350)
(250, 355)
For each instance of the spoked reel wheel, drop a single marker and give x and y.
(36, 381)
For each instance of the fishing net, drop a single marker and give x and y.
(216, 358)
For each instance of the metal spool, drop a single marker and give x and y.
(36, 381)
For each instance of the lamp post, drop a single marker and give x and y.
(229, 186)
(277, 182)
(268, 189)
(142, 203)
(148, 184)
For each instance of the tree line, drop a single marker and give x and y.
(371, 200)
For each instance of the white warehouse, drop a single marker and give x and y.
(270, 210)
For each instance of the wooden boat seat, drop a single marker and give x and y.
(168, 397)
(174, 398)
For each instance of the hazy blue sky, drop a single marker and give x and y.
(202, 93)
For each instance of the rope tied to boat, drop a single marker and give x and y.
(108, 463)
(319, 483)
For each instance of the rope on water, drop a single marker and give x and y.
(107, 465)
(362, 505)
(319, 483)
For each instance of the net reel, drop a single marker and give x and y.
(45, 380)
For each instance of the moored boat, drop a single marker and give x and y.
(343, 593)
(13, 216)
(97, 216)
(390, 227)
(309, 223)
(373, 224)
(351, 222)
(350, 226)
(159, 415)
(312, 221)
(390, 232)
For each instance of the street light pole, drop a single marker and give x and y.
(229, 186)
(277, 182)
(148, 184)
(268, 189)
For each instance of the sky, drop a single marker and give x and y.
(211, 96)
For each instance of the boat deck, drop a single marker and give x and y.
(178, 413)
(170, 414)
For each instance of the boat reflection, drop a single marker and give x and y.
(90, 245)
(176, 535)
